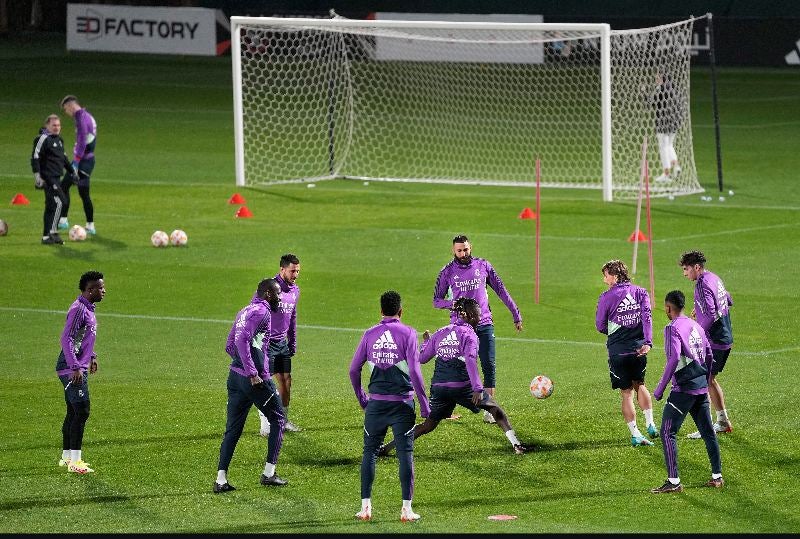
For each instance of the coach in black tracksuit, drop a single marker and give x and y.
(48, 160)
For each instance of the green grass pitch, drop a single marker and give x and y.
(165, 161)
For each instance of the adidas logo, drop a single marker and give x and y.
(628, 304)
(450, 340)
(385, 341)
(695, 338)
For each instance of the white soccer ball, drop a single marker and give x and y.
(178, 237)
(541, 387)
(159, 239)
(77, 233)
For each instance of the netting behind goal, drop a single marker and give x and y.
(454, 102)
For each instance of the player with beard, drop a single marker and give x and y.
(469, 277)
(455, 375)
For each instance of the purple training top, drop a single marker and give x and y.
(455, 348)
(284, 320)
(689, 358)
(623, 313)
(85, 135)
(251, 326)
(77, 339)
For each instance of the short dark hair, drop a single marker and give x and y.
(87, 278)
(618, 268)
(288, 259)
(676, 298)
(461, 238)
(690, 258)
(265, 285)
(466, 304)
(390, 303)
(68, 99)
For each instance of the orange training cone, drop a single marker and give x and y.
(527, 213)
(236, 199)
(637, 236)
(243, 212)
(19, 198)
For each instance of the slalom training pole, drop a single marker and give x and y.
(642, 174)
(649, 235)
(538, 221)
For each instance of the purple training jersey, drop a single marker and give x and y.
(455, 348)
(623, 313)
(390, 351)
(689, 358)
(712, 304)
(471, 281)
(284, 319)
(77, 339)
(85, 135)
(248, 339)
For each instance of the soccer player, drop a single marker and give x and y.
(74, 364)
(283, 337)
(48, 160)
(669, 107)
(82, 161)
(249, 384)
(466, 276)
(455, 375)
(689, 359)
(389, 348)
(623, 313)
(712, 304)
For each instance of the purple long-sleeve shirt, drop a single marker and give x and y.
(85, 135)
(624, 314)
(250, 330)
(471, 281)
(77, 339)
(390, 351)
(455, 348)
(689, 358)
(712, 304)
(284, 320)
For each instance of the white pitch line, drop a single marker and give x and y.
(354, 330)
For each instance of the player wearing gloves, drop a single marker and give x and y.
(390, 351)
(82, 161)
(688, 366)
(48, 161)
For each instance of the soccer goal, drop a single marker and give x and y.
(458, 102)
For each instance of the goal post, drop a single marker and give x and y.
(453, 102)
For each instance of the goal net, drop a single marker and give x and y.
(460, 102)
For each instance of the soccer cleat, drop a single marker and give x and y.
(291, 427)
(520, 449)
(719, 428)
(226, 487)
(652, 431)
(52, 239)
(676, 170)
(63, 225)
(383, 450)
(365, 514)
(64, 462)
(454, 417)
(79, 467)
(272, 481)
(667, 488)
(716, 483)
(407, 515)
(640, 440)
(487, 417)
(662, 179)
(91, 230)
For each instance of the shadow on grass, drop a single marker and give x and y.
(29, 503)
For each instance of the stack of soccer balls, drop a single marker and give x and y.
(541, 387)
(177, 238)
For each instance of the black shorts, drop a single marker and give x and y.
(625, 370)
(444, 400)
(720, 359)
(280, 360)
(75, 392)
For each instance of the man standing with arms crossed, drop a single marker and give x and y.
(390, 351)
(466, 276)
(712, 304)
(283, 337)
(82, 161)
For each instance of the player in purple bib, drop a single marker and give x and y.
(469, 277)
(389, 350)
(688, 367)
(712, 304)
(455, 375)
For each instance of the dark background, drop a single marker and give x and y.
(746, 33)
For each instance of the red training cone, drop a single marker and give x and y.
(236, 199)
(243, 212)
(637, 236)
(19, 198)
(527, 213)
